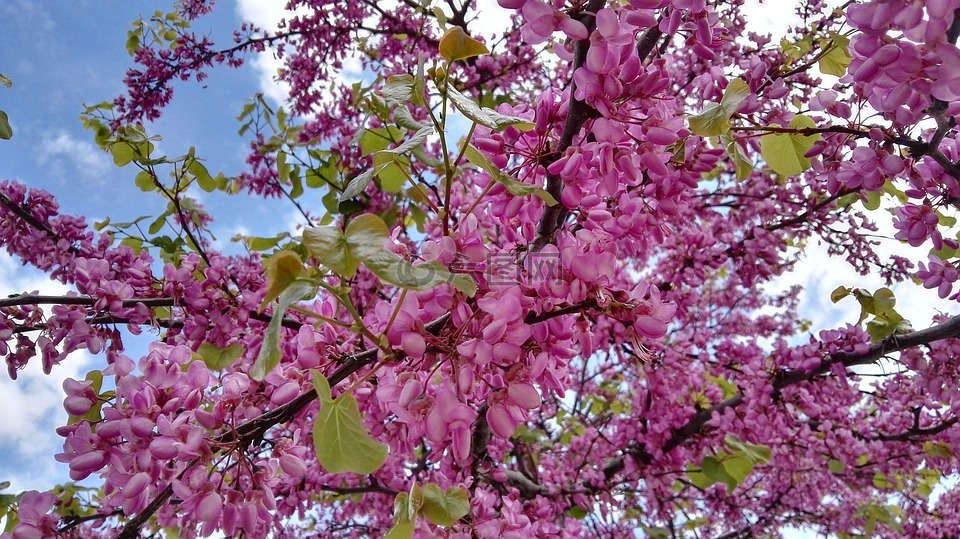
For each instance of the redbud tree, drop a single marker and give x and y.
(534, 301)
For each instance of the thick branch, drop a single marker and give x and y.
(578, 113)
(30, 299)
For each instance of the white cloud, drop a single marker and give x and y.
(774, 17)
(820, 274)
(65, 155)
(33, 403)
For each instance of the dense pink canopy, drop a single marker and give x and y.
(553, 322)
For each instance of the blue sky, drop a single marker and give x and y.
(61, 54)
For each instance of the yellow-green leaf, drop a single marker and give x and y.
(144, 180)
(837, 59)
(269, 355)
(340, 438)
(457, 45)
(328, 245)
(216, 358)
(444, 508)
(6, 132)
(513, 185)
(283, 268)
(784, 152)
(839, 293)
(714, 120)
(485, 116)
(203, 177)
(743, 167)
(123, 153)
(881, 481)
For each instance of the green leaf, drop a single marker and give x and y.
(269, 355)
(374, 140)
(340, 438)
(757, 454)
(873, 199)
(941, 450)
(366, 236)
(887, 324)
(6, 132)
(784, 152)
(216, 358)
(444, 508)
(485, 116)
(133, 42)
(738, 467)
(883, 301)
(296, 183)
(714, 470)
(711, 122)
(837, 59)
(839, 293)
(743, 167)
(404, 119)
(204, 179)
(283, 268)
(328, 245)
(457, 45)
(144, 180)
(123, 153)
(5, 80)
(357, 185)
(715, 118)
(363, 241)
(836, 466)
(398, 91)
(401, 529)
(881, 481)
(513, 185)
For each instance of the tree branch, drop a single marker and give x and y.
(257, 427)
(578, 113)
(695, 425)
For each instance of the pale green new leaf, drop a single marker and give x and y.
(513, 185)
(757, 454)
(398, 90)
(457, 45)
(484, 116)
(282, 268)
(6, 81)
(404, 119)
(715, 118)
(837, 59)
(700, 479)
(836, 466)
(743, 167)
(401, 529)
(714, 470)
(269, 355)
(444, 508)
(204, 179)
(216, 358)
(340, 438)
(144, 180)
(328, 245)
(784, 152)
(357, 185)
(366, 236)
